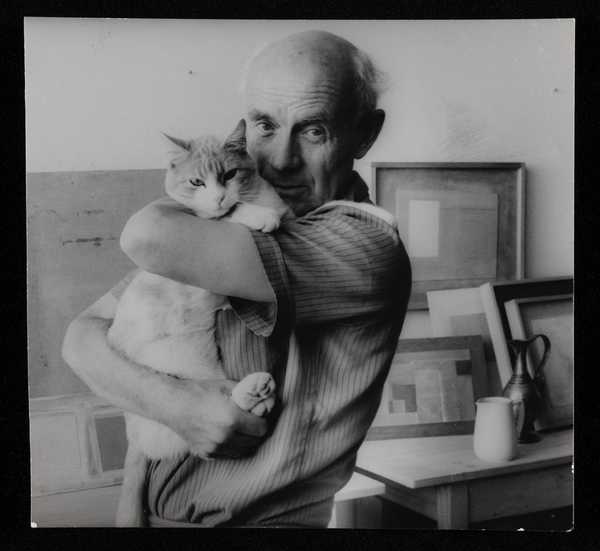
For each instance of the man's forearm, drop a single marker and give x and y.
(200, 411)
(127, 385)
(163, 238)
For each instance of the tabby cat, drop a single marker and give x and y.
(169, 326)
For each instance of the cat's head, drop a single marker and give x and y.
(207, 175)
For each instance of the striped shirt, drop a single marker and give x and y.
(341, 279)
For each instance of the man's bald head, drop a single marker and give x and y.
(310, 112)
(353, 71)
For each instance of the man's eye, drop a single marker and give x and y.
(314, 133)
(230, 174)
(196, 182)
(264, 128)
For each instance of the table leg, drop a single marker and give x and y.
(452, 506)
(345, 514)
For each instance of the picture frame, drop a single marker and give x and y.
(459, 312)
(431, 388)
(80, 443)
(462, 223)
(553, 317)
(495, 295)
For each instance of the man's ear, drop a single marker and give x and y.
(236, 141)
(368, 130)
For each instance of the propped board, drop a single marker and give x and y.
(74, 220)
(77, 442)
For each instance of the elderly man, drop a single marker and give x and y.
(319, 303)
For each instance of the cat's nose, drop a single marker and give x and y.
(220, 196)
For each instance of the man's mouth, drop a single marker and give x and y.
(287, 190)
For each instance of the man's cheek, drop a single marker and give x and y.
(251, 147)
(256, 154)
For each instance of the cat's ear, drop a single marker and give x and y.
(236, 141)
(182, 145)
(175, 150)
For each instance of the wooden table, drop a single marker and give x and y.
(440, 477)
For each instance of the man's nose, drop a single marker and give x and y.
(285, 154)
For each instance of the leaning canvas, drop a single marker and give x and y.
(459, 312)
(495, 295)
(431, 388)
(553, 317)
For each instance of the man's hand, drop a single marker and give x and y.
(212, 423)
(201, 412)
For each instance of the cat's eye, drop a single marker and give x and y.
(196, 182)
(229, 174)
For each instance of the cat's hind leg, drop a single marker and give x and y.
(255, 393)
(130, 511)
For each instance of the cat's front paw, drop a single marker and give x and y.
(270, 222)
(266, 220)
(255, 393)
(257, 217)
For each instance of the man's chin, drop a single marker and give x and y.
(292, 192)
(299, 198)
(303, 205)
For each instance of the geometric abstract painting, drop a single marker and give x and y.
(431, 388)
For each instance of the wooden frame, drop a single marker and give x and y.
(462, 223)
(494, 297)
(431, 388)
(553, 317)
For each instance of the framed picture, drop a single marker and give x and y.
(77, 442)
(462, 223)
(109, 441)
(553, 317)
(459, 312)
(431, 388)
(495, 295)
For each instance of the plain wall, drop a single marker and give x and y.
(99, 91)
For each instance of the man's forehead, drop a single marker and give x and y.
(292, 76)
(281, 114)
(285, 87)
(308, 75)
(298, 100)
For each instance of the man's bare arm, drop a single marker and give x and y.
(165, 239)
(201, 412)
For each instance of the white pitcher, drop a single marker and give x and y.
(495, 434)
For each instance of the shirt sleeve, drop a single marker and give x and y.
(332, 266)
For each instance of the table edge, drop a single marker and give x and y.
(501, 470)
